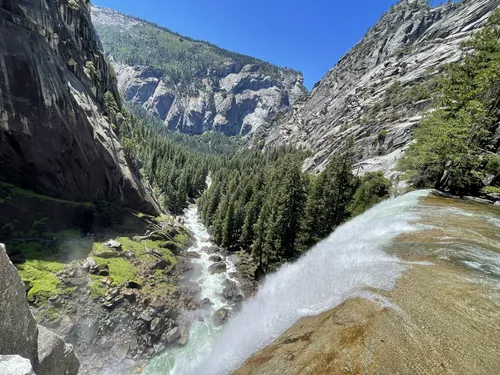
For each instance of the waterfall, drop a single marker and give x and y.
(344, 265)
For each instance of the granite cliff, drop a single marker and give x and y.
(54, 137)
(379, 90)
(193, 86)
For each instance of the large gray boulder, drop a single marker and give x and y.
(15, 365)
(18, 330)
(55, 356)
(21, 337)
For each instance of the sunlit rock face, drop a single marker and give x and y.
(379, 90)
(229, 96)
(54, 138)
(441, 317)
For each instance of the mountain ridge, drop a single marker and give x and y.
(191, 85)
(379, 90)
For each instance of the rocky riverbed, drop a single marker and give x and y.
(123, 300)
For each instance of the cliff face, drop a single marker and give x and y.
(192, 85)
(44, 351)
(379, 90)
(54, 138)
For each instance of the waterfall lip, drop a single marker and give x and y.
(345, 265)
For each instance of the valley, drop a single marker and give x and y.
(170, 207)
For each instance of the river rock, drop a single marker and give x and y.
(55, 357)
(15, 365)
(230, 290)
(173, 335)
(192, 255)
(18, 330)
(210, 249)
(77, 281)
(220, 267)
(215, 258)
(221, 316)
(205, 303)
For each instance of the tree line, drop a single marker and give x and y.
(457, 143)
(264, 203)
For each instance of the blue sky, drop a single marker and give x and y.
(307, 35)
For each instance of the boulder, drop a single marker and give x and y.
(157, 326)
(220, 316)
(55, 357)
(160, 264)
(16, 322)
(90, 265)
(146, 316)
(193, 255)
(129, 295)
(215, 258)
(77, 281)
(15, 365)
(134, 285)
(106, 254)
(115, 245)
(230, 290)
(173, 335)
(205, 303)
(220, 267)
(210, 249)
(103, 270)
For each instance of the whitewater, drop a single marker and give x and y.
(350, 262)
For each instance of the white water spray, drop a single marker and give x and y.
(344, 265)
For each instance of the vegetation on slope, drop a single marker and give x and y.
(456, 146)
(180, 58)
(262, 202)
(176, 165)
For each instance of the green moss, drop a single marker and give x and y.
(97, 288)
(491, 190)
(41, 276)
(182, 240)
(120, 269)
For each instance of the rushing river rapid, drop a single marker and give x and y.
(203, 332)
(362, 258)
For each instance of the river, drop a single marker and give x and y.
(366, 257)
(203, 333)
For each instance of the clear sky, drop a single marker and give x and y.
(307, 35)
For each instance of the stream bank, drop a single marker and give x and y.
(213, 276)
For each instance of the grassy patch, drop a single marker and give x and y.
(120, 270)
(41, 276)
(97, 288)
(491, 190)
